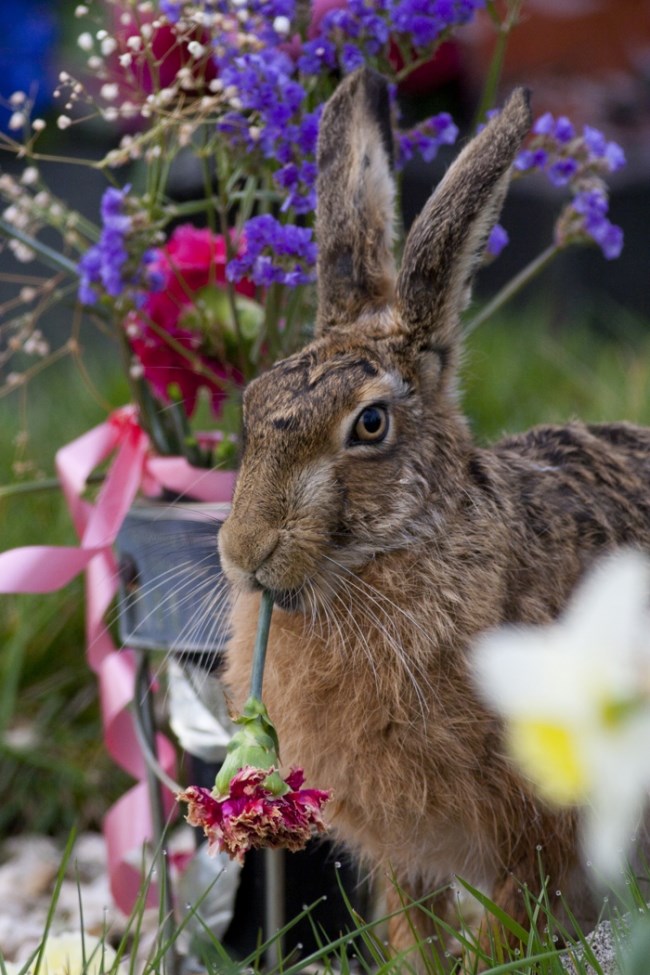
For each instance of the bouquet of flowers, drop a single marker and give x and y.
(203, 293)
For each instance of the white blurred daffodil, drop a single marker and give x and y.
(576, 698)
(73, 953)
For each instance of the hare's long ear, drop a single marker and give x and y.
(446, 242)
(354, 218)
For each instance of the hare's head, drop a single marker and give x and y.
(354, 444)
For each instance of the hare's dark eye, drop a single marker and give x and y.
(371, 426)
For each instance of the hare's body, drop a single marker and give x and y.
(391, 541)
(374, 697)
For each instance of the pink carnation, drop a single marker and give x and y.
(251, 816)
(191, 260)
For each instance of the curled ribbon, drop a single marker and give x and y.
(46, 568)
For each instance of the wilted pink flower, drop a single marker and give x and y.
(252, 816)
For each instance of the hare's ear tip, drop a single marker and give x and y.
(518, 107)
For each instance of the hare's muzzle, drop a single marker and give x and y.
(245, 549)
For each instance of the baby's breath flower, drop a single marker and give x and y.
(38, 124)
(109, 91)
(80, 10)
(17, 120)
(108, 46)
(64, 121)
(85, 41)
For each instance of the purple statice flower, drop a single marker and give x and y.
(275, 253)
(422, 22)
(562, 171)
(260, 17)
(497, 240)
(529, 159)
(564, 130)
(592, 206)
(426, 138)
(171, 9)
(358, 30)
(544, 125)
(103, 264)
(272, 103)
(317, 56)
(106, 266)
(599, 148)
(566, 157)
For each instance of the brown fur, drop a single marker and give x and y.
(388, 559)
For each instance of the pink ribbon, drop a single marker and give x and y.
(46, 568)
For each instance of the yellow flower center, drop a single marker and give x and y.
(549, 755)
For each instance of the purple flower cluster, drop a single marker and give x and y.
(424, 21)
(577, 161)
(275, 253)
(565, 156)
(269, 118)
(426, 138)
(171, 9)
(591, 205)
(347, 36)
(103, 268)
(358, 29)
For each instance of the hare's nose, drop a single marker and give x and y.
(248, 547)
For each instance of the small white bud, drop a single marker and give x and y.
(109, 91)
(196, 50)
(38, 124)
(64, 121)
(125, 59)
(146, 30)
(110, 113)
(101, 34)
(95, 62)
(17, 120)
(165, 96)
(30, 176)
(282, 25)
(108, 45)
(80, 10)
(85, 42)
(17, 99)
(134, 42)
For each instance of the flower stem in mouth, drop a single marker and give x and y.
(261, 641)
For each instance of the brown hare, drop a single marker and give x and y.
(390, 539)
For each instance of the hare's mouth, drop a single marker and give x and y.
(290, 600)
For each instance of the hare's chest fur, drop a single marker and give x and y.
(392, 738)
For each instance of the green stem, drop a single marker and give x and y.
(46, 484)
(47, 254)
(513, 286)
(489, 94)
(261, 640)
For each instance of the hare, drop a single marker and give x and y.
(390, 539)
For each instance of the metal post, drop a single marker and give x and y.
(146, 727)
(273, 903)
